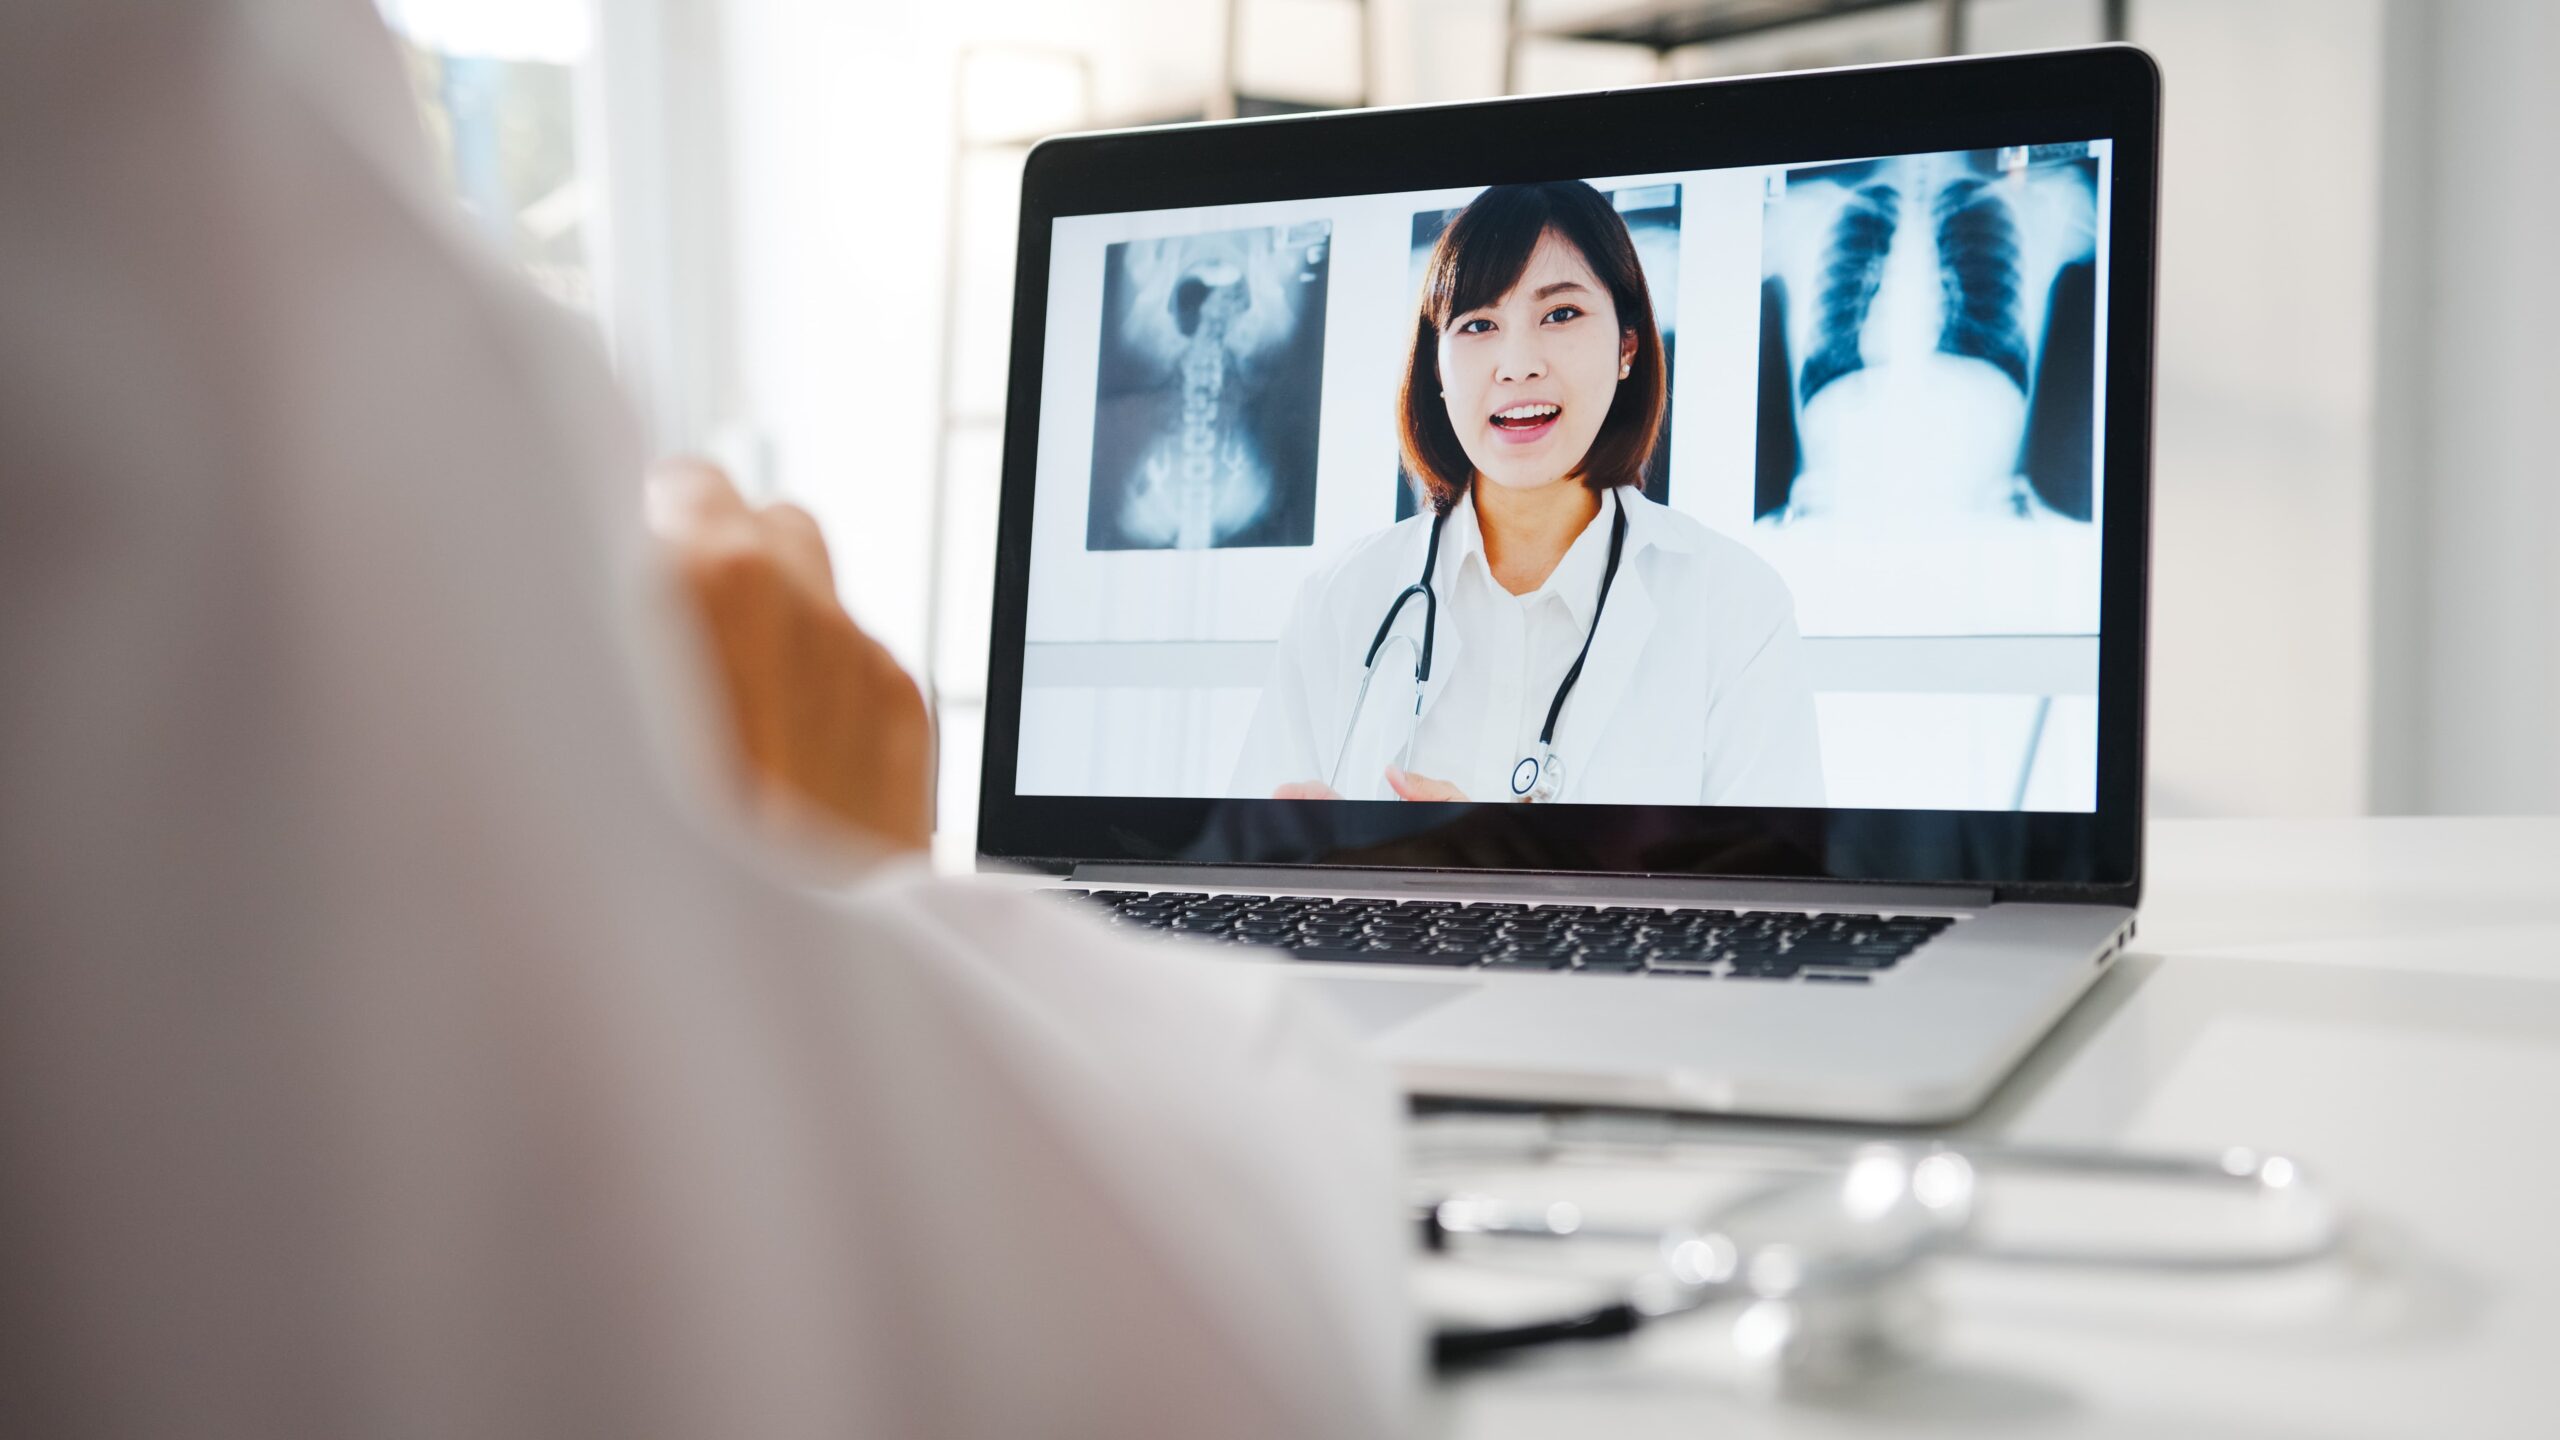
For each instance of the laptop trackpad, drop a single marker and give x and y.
(1374, 1007)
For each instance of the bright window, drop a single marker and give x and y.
(498, 85)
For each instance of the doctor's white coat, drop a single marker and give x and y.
(1696, 691)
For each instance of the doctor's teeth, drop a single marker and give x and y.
(1525, 413)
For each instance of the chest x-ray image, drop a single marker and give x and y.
(1210, 376)
(1652, 215)
(1927, 341)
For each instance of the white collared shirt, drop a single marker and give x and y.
(1695, 690)
(1518, 650)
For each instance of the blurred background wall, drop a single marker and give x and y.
(792, 220)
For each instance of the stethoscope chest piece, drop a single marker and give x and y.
(1538, 778)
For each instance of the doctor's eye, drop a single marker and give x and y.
(1562, 313)
(1477, 326)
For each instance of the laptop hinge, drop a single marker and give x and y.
(1506, 885)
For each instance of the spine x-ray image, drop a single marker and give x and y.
(1652, 214)
(1211, 375)
(1927, 340)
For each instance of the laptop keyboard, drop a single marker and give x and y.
(1491, 935)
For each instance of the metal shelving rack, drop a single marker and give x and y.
(1668, 26)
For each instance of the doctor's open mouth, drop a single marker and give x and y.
(1521, 424)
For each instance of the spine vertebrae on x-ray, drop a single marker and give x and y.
(1211, 311)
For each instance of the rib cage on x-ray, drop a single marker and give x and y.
(1849, 277)
(1979, 256)
(1910, 262)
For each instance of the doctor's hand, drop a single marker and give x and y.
(1409, 786)
(1305, 790)
(833, 742)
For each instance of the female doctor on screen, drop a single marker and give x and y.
(1545, 632)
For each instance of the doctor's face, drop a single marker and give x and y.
(1529, 378)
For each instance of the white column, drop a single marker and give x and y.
(2261, 594)
(2467, 639)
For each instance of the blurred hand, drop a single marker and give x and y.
(1305, 790)
(829, 729)
(1409, 786)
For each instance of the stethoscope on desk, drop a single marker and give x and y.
(1537, 777)
(1821, 1265)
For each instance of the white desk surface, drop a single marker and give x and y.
(2379, 999)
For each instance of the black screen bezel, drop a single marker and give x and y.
(2109, 92)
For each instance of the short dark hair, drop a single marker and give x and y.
(1481, 255)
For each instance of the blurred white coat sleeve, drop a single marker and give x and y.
(388, 1044)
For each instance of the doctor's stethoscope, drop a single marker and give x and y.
(1820, 1265)
(1538, 777)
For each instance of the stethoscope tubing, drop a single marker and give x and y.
(1542, 778)
(1608, 578)
(2237, 1170)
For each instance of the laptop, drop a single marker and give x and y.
(1638, 597)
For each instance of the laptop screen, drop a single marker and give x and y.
(1772, 486)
